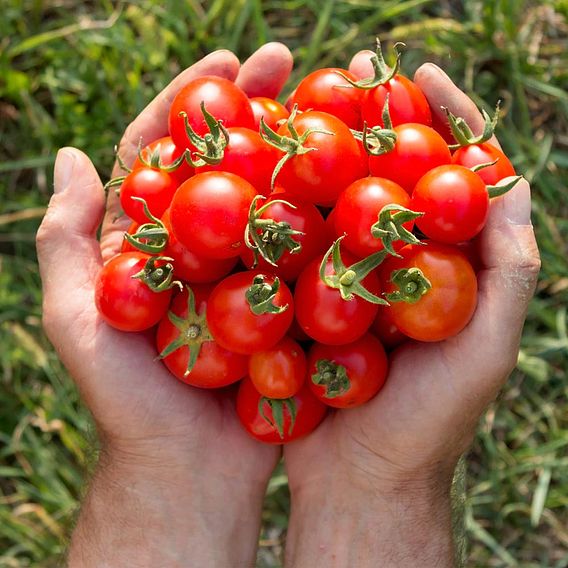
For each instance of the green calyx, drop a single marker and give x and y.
(412, 285)
(390, 226)
(333, 377)
(269, 238)
(151, 237)
(377, 140)
(193, 332)
(292, 145)
(497, 190)
(277, 407)
(348, 279)
(211, 146)
(154, 159)
(158, 274)
(464, 135)
(261, 295)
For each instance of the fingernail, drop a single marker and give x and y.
(517, 203)
(63, 171)
(438, 70)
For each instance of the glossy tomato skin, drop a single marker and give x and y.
(455, 203)
(222, 98)
(384, 328)
(248, 156)
(320, 175)
(209, 213)
(407, 103)
(310, 412)
(232, 322)
(278, 372)
(272, 111)
(215, 367)
(326, 90)
(417, 150)
(127, 303)
(366, 366)
(357, 209)
(485, 153)
(324, 315)
(305, 218)
(450, 303)
(156, 187)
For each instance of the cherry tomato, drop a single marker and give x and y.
(455, 203)
(345, 376)
(385, 329)
(257, 416)
(447, 307)
(357, 209)
(222, 98)
(485, 153)
(417, 150)
(278, 372)
(215, 366)
(127, 303)
(209, 213)
(232, 321)
(272, 111)
(323, 314)
(326, 90)
(156, 187)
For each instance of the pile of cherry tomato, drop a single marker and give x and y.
(291, 248)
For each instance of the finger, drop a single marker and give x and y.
(361, 65)
(151, 124)
(266, 71)
(442, 92)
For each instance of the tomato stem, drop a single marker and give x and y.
(158, 278)
(332, 376)
(260, 296)
(152, 237)
(412, 285)
(462, 132)
(390, 226)
(497, 190)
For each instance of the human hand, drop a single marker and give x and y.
(174, 458)
(371, 485)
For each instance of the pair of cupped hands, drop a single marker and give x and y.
(175, 459)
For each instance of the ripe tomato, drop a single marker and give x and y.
(156, 187)
(258, 417)
(485, 153)
(222, 99)
(447, 307)
(417, 150)
(232, 321)
(455, 203)
(357, 209)
(278, 372)
(272, 111)
(320, 175)
(186, 331)
(321, 311)
(326, 90)
(345, 376)
(385, 329)
(209, 213)
(127, 303)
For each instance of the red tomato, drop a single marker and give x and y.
(455, 203)
(272, 112)
(305, 218)
(257, 417)
(223, 100)
(278, 372)
(232, 321)
(156, 187)
(127, 303)
(209, 213)
(320, 175)
(323, 314)
(345, 376)
(417, 150)
(447, 307)
(485, 153)
(326, 90)
(385, 329)
(248, 156)
(357, 209)
(215, 366)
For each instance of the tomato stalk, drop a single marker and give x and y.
(462, 132)
(277, 407)
(377, 140)
(412, 285)
(389, 227)
(332, 376)
(151, 237)
(260, 296)
(497, 190)
(158, 278)
(193, 332)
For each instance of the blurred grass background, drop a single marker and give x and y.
(75, 73)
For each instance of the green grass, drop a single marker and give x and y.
(75, 73)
